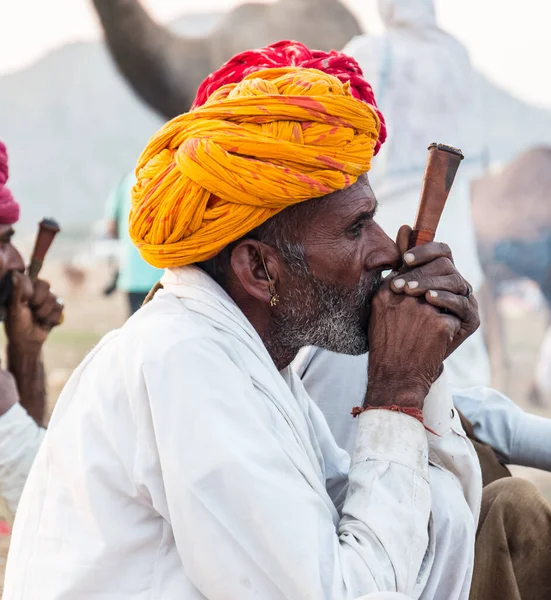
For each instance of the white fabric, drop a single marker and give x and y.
(20, 439)
(180, 464)
(426, 89)
(543, 366)
(337, 383)
(384, 596)
(519, 437)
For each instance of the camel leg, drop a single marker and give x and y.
(494, 335)
(540, 389)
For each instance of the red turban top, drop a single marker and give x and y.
(9, 209)
(293, 54)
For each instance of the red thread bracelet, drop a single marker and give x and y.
(416, 413)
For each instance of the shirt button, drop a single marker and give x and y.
(452, 412)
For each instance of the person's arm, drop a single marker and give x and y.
(249, 511)
(25, 364)
(336, 383)
(33, 311)
(20, 438)
(113, 209)
(518, 437)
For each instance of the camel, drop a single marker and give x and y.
(512, 216)
(165, 69)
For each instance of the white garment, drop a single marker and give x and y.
(543, 366)
(179, 464)
(337, 383)
(20, 439)
(520, 438)
(426, 88)
(517, 436)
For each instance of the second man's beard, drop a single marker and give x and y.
(6, 288)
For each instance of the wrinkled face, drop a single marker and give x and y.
(10, 260)
(326, 300)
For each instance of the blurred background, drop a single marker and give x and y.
(74, 127)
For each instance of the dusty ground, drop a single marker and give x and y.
(89, 315)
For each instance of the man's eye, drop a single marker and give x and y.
(356, 230)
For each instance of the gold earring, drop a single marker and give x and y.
(274, 296)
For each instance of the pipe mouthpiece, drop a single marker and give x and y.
(446, 148)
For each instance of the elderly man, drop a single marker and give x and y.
(29, 312)
(453, 528)
(184, 459)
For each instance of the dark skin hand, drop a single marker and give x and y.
(33, 310)
(407, 322)
(429, 272)
(32, 313)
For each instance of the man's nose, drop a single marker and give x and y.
(13, 261)
(386, 254)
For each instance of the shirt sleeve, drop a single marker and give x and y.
(247, 521)
(517, 436)
(20, 439)
(449, 446)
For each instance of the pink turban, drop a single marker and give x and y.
(9, 209)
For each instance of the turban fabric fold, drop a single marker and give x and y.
(277, 137)
(9, 209)
(293, 54)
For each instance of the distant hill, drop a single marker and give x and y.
(73, 128)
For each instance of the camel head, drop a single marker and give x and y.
(165, 69)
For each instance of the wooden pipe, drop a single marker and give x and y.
(47, 230)
(442, 164)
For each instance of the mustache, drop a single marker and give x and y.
(368, 289)
(377, 283)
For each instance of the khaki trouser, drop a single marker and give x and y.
(513, 543)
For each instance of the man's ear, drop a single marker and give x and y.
(256, 265)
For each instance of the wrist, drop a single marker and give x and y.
(400, 391)
(385, 396)
(23, 350)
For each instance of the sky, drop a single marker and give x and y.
(508, 39)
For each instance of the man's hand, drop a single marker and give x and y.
(32, 313)
(418, 318)
(431, 273)
(8, 391)
(408, 341)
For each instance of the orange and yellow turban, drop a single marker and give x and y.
(278, 137)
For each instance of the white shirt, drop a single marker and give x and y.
(518, 437)
(180, 464)
(337, 383)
